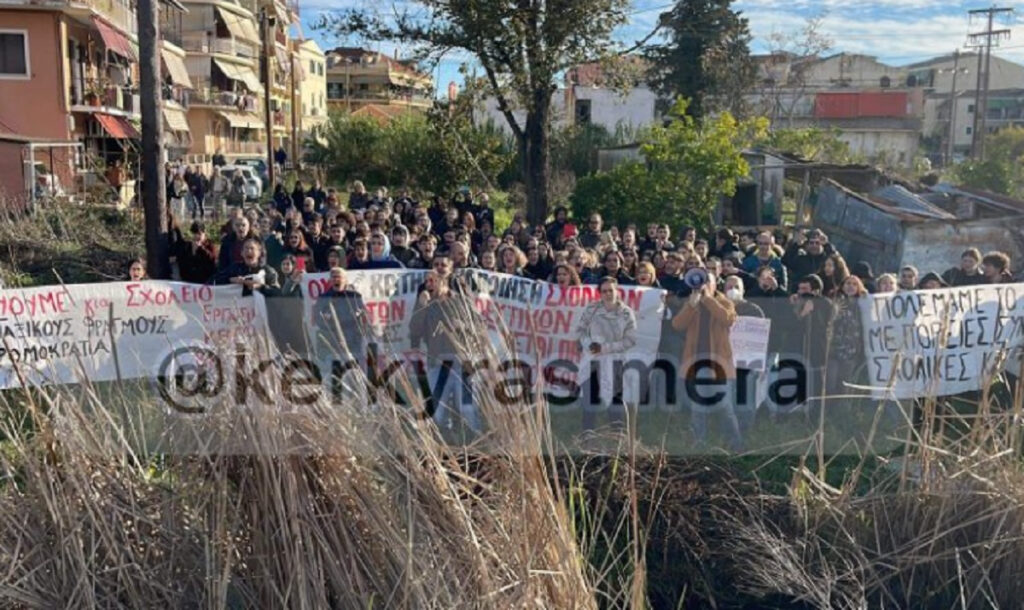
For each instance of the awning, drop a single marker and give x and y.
(115, 41)
(174, 119)
(117, 127)
(241, 74)
(282, 13)
(242, 120)
(239, 26)
(175, 68)
(282, 58)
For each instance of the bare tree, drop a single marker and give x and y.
(783, 79)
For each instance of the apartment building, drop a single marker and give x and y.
(374, 84)
(312, 88)
(69, 90)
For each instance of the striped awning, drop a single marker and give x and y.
(115, 41)
(242, 120)
(242, 74)
(117, 127)
(175, 120)
(175, 67)
(240, 27)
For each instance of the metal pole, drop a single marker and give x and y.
(154, 191)
(268, 78)
(295, 112)
(952, 109)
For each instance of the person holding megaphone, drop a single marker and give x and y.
(707, 369)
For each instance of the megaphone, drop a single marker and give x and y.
(696, 278)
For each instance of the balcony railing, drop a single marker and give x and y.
(118, 12)
(179, 95)
(206, 95)
(242, 147)
(223, 46)
(100, 93)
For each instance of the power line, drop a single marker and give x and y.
(990, 36)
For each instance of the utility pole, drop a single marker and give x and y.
(268, 21)
(296, 100)
(154, 181)
(981, 95)
(952, 109)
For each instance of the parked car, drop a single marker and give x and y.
(260, 166)
(253, 185)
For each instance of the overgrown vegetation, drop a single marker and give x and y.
(69, 243)
(1001, 171)
(689, 165)
(430, 152)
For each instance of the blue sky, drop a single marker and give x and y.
(895, 31)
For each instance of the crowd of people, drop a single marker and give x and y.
(798, 279)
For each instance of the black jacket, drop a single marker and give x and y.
(341, 323)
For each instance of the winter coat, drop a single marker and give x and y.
(720, 314)
(340, 323)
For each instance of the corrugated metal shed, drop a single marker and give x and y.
(905, 200)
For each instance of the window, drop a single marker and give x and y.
(320, 69)
(970, 131)
(970, 108)
(14, 54)
(885, 82)
(582, 112)
(312, 67)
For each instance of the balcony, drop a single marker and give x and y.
(206, 94)
(101, 96)
(237, 147)
(223, 46)
(118, 12)
(395, 98)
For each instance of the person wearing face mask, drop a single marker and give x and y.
(735, 292)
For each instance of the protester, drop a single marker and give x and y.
(605, 332)
(932, 281)
(137, 270)
(285, 311)
(707, 319)
(814, 316)
(908, 278)
(968, 272)
(886, 283)
(765, 256)
(197, 258)
(341, 325)
(250, 272)
(833, 273)
(231, 245)
(846, 353)
(862, 269)
(996, 266)
(441, 322)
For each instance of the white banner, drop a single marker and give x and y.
(749, 339)
(542, 317)
(940, 342)
(126, 330)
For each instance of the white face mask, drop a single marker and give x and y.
(734, 294)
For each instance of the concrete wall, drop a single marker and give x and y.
(35, 107)
(937, 245)
(900, 146)
(608, 108)
(633, 109)
(858, 71)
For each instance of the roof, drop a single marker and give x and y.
(882, 205)
(941, 59)
(355, 54)
(382, 113)
(593, 74)
(900, 197)
(1003, 202)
